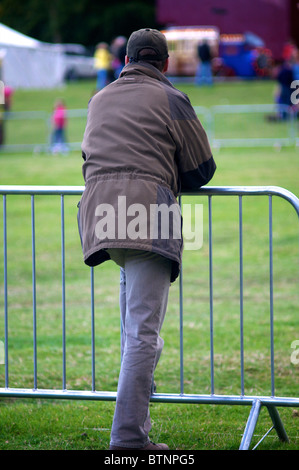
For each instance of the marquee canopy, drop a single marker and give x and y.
(28, 63)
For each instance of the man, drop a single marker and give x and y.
(142, 145)
(204, 70)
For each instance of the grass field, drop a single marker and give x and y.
(50, 424)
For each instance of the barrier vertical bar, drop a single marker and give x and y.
(33, 290)
(5, 290)
(92, 330)
(241, 293)
(63, 294)
(181, 335)
(181, 324)
(271, 295)
(211, 296)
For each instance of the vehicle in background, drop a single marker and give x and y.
(77, 61)
(244, 55)
(183, 44)
(234, 55)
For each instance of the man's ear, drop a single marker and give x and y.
(127, 60)
(166, 66)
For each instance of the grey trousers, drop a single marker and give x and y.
(144, 288)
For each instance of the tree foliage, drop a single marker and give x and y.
(82, 21)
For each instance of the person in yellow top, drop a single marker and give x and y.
(102, 63)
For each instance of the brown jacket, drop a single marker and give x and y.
(142, 145)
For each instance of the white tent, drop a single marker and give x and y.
(28, 63)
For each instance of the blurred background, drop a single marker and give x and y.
(44, 44)
(56, 45)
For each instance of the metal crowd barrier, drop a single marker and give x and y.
(32, 130)
(276, 132)
(273, 130)
(281, 132)
(256, 402)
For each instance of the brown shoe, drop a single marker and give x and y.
(149, 446)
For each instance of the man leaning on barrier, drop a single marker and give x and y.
(142, 145)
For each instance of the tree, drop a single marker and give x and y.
(82, 21)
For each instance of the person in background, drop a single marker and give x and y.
(285, 78)
(102, 63)
(296, 65)
(5, 107)
(204, 70)
(118, 50)
(59, 123)
(8, 94)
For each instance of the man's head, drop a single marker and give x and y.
(148, 45)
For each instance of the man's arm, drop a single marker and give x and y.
(194, 157)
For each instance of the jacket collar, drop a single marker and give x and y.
(144, 68)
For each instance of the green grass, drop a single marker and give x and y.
(49, 424)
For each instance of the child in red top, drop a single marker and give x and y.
(59, 121)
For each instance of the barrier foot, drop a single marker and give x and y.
(277, 423)
(250, 425)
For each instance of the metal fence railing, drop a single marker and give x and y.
(251, 125)
(30, 131)
(271, 401)
(254, 125)
(226, 125)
